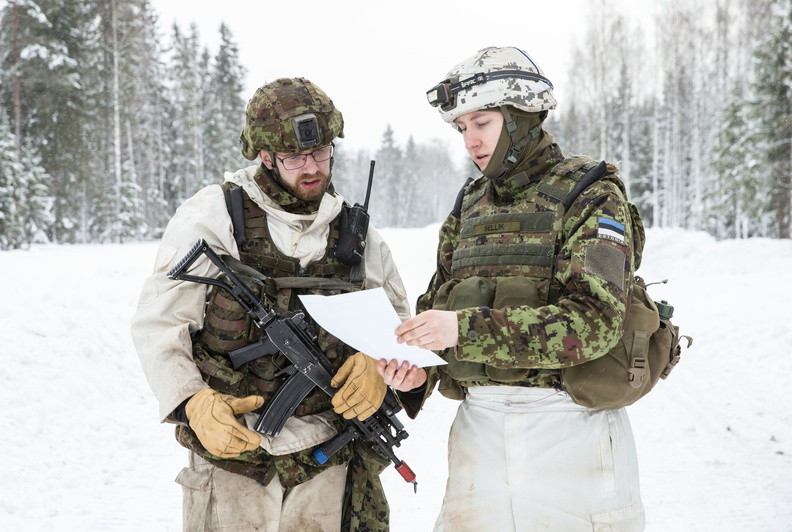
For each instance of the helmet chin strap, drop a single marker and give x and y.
(274, 170)
(517, 144)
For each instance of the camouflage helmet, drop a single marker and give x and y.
(289, 115)
(489, 79)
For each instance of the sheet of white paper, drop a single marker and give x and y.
(366, 320)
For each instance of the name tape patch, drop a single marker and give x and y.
(497, 227)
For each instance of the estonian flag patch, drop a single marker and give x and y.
(611, 230)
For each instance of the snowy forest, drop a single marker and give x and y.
(106, 126)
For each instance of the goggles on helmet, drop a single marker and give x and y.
(444, 94)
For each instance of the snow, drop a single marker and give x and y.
(83, 449)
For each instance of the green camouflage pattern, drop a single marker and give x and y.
(271, 113)
(365, 507)
(525, 94)
(512, 232)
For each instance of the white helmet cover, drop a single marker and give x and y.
(491, 78)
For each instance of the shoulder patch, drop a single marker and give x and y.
(606, 262)
(610, 229)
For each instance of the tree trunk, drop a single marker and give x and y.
(16, 82)
(116, 123)
(656, 165)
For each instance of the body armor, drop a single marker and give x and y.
(506, 257)
(227, 327)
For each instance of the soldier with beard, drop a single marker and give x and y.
(284, 229)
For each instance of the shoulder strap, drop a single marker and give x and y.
(456, 212)
(596, 173)
(236, 209)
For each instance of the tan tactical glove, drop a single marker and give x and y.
(361, 387)
(212, 415)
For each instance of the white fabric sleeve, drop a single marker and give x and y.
(169, 311)
(381, 271)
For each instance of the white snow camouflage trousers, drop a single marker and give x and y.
(215, 499)
(525, 459)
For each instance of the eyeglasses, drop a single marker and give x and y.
(298, 161)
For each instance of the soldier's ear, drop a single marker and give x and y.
(266, 158)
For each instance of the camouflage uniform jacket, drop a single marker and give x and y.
(579, 283)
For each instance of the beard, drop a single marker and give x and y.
(310, 187)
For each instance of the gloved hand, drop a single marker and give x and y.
(212, 415)
(361, 387)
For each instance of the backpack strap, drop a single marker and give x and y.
(456, 212)
(595, 174)
(235, 205)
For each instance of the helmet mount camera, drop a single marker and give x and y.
(306, 128)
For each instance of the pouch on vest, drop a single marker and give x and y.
(456, 295)
(510, 292)
(447, 386)
(647, 351)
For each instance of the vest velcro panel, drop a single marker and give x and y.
(515, 240)
(504, 255)
(277, 280)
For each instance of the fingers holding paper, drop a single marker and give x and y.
(433, 329)
(404, 377)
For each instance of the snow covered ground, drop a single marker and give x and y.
(82, 448)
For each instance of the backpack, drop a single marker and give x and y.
(648, 350)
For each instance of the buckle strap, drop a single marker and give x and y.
(677, 354)
(638, 369)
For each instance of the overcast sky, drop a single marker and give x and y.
(376, 60)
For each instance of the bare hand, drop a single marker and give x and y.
(404, 378)
(433, 329)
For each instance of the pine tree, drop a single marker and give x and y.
(410, 210)
(387, 196)
(51, 40)
(342, 173)
(224, 108)
(441, 180)
(772, 111)
(24, 205)
(733, 191)
(33, 198)
(123, 92)
(184, 130)
(641, 159)
(11, 230)
(143, 119)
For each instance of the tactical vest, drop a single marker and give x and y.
(278, 279)
(227, 327)
(506, 256)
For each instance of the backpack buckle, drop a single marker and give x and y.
(637, 372)
(671, 364)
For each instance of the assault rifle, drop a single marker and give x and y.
(292, 336)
